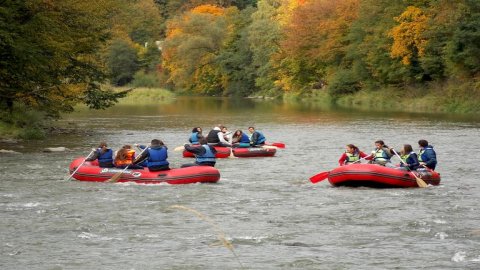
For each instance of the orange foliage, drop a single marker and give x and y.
(408, 40)
(208, 9)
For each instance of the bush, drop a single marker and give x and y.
(142, 79)
(344, 82)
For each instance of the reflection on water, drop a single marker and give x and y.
(275, 218)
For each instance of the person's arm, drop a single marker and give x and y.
(222, 139)
(341, 161)
(93, 157)
(254, 138)
(197, 150)
(144, 155)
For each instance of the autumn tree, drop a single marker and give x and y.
(192, 45)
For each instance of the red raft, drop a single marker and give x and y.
(90, 171)
(371, 175)
(224, 152)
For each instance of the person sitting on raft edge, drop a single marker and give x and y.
(427, 156)
(215, 137)
(204, 154)
(104, 156)
(409, 158)
(382, 154)
(352, 155)
(240, 139)
(196, 135)
(156, 155)
(256, 138)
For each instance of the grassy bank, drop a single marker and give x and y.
(146, 96)
(450, 98)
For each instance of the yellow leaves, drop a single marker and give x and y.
(408, 40)
(208, 9)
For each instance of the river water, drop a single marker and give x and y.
(265, 207)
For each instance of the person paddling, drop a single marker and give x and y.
(381, 154)
(196, 135)
(409, 157)
(205, 154)
(427, 156)
(104, 156)
(125, 157)
(352, 155)
(256, 138)
(156, 156)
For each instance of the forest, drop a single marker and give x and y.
(55, 54)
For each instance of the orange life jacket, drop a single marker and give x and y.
(128, 158)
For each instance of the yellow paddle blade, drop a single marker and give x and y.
(115, 178)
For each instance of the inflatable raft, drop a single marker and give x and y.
(90, 171)
(371, 175)
(254, 152)
(224, 152)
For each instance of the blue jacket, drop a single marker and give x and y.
(412, 161)
(105, 159)
(208, 157)
(157, 156)
(428, 156)
(244, 138)
(194, 138)
(258, 138)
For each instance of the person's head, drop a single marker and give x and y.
(127, 146)
(237, 133)
(379, 144)
(102, 145)
(422, 143)
(407, 149)
(223, 129)
(196, 129)
(156, 142)
(351, 148)
(251, 129)
(202, 140)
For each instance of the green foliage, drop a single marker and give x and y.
(143, 79)
(343, 82)
(123, 62)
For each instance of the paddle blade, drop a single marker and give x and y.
(278, 144)
(269, 147)
(115, 178)
(179, 148)
(420, 182)
(319, 177)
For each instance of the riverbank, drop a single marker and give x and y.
(27, 124)
(448, 98)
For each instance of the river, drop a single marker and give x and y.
(266, 207)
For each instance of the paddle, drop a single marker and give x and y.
(179, 148)
(319, 177)
(85, 159)
(419, 180)
(118, 175)
(277, 144)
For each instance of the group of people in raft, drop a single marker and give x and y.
(155, 156)
(381, 155)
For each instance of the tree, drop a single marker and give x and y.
(122, 62)
(49, 55)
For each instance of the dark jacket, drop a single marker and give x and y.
(105, 159)
(412, 161)
(200, 152)
(428, 156)
(258, 138)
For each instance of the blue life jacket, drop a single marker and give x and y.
(260, 138)
(244, 138)
(209, 156)
(428, 156)
(105, 158)
(194, 138)
(157, 157)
